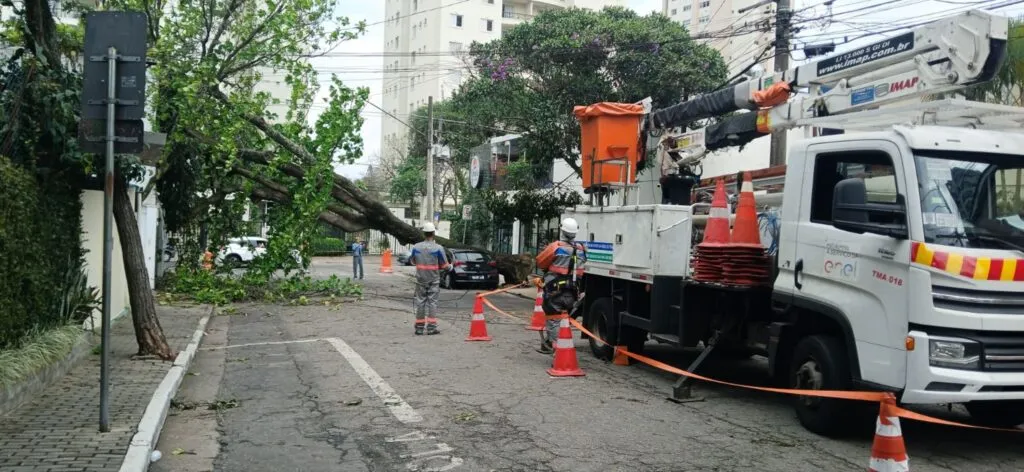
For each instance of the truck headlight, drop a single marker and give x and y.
(954, 353)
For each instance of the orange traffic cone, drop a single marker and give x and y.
(619, 358)
(478, 326)
(709, 254)
(888, 453)
(537, 323)
(565, 363)
(716, 232)
(746, 232)
(385, 262)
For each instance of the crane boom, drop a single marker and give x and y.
(942, 56)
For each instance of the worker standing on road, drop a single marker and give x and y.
(428, 256)
(357, 259)
(563, 262)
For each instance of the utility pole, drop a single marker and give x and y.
(782, 17)
(430, 159)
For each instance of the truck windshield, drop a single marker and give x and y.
(972, 200)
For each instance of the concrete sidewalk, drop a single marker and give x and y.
(59, 430)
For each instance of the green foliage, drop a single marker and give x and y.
(530, 206)
(529, 80)
(40, 220)
(327, 246)
(37, 350)
(205, 180)
(220, 289)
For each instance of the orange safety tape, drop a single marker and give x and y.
(491, 305)
(839, 394)
(836, 394)
(501, 290)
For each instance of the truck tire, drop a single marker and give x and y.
(998, 413)
(820, 362)
(602, 322)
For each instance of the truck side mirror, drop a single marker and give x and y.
(852, 212)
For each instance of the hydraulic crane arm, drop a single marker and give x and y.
(941, 56)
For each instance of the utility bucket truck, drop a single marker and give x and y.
(900, 258)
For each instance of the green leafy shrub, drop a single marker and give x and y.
(220, 289)
(36, 350)
(328, 246)
(40, 227)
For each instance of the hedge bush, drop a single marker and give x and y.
(40, 238)
(327, 246)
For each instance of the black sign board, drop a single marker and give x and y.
(870, 53)
(92, 136)
(125, 31)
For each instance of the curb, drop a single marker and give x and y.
(148, 431)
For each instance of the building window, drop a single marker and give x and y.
(414, 57)
(687, 7)
(674, 12)
(415, 5)
(455, 47)
(488, 25)
(456, 20)
(705, 3)
(704, 19)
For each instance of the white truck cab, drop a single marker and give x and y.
(921, 274)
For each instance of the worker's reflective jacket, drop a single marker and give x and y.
(557, 258)
(429, 259)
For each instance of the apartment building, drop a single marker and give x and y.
(740, 38)
(425, 43)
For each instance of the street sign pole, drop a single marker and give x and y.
(108, 240)
(113, 105)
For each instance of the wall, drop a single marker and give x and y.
(92, 243)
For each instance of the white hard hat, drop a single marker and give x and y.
(429, 228)
(569, 225)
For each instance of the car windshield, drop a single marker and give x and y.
(470, 257)
(972, 200)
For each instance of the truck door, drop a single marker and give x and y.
(858, 280)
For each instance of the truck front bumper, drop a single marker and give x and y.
(930, 384)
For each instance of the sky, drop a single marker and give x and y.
(366, 71)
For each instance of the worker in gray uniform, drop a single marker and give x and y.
(429, 259)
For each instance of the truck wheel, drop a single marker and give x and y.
(819, 363)
(601, 322)
(997, 414)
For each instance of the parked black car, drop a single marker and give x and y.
(469, 267)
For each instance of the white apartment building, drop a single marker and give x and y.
(424, 44)
(740, 38)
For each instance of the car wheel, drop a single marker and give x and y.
(233, 260)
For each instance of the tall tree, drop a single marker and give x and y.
(529, 80)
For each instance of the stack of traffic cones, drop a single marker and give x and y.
(747, 263)
(565, 363)
(385, 262)
(537, 323)
(478, 326)
(888, 453)
(709, 254)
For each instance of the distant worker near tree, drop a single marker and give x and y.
(429, 259)
(563, 262)
(357, 259)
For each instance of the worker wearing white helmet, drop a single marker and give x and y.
(563, 262)
(428, 256)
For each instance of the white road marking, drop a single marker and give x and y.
(399, 408)
(268, 343)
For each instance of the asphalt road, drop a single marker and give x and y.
(349, 388)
